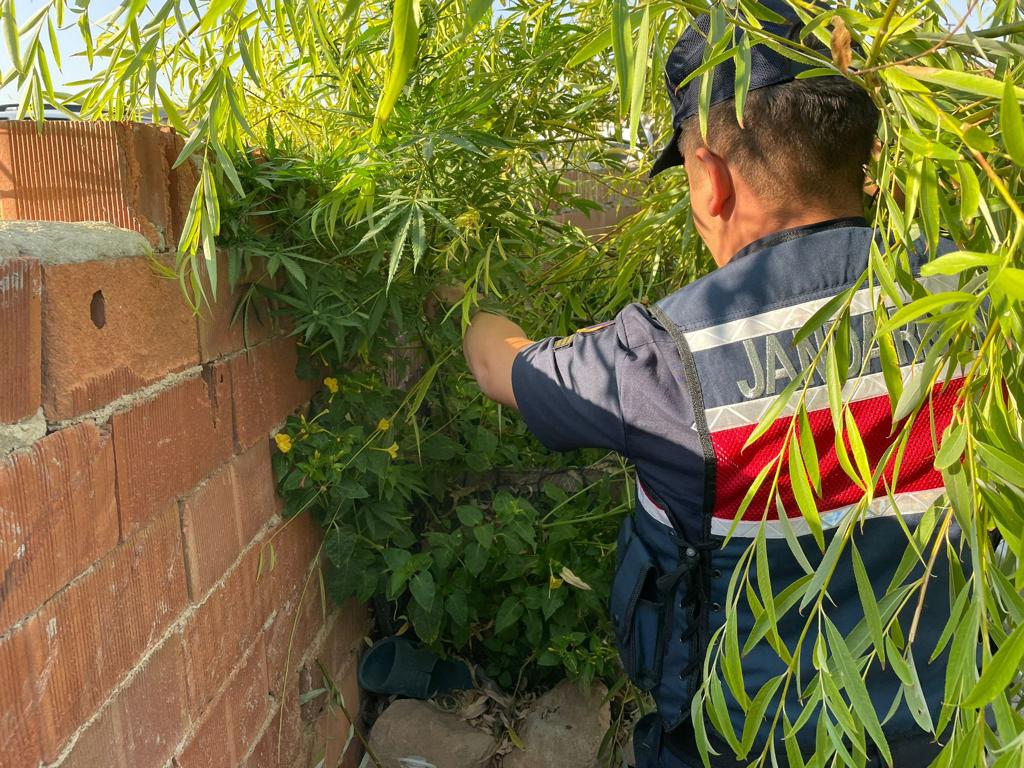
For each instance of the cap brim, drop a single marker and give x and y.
(669, 157)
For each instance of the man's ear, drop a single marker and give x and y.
(721, 188)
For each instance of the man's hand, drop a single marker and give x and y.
(442, 296)
(491, 345)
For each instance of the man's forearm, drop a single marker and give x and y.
(491, 345)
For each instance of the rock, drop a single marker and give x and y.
(564, 728)
(417, 729)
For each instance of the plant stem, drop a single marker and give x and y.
(883, 31)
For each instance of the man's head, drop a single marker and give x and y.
(798, 159)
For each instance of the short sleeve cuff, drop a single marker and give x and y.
(528, 388)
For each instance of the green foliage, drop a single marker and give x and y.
(440, 511)
(402, 143)
(468, 184)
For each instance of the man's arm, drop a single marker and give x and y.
(491, 345)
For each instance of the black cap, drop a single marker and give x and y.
(767, 67)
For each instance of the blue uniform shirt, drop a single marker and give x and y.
(620, 386)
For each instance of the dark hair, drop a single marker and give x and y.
(806, 139)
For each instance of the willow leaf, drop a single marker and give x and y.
(930, 212)
(916, 388)
(732, 665)
(743, 68)
(1012, 122)
(10, 25)
(890, 361)
(857, 446)
(823, 573)
(976, 85)
(999, 672)
(970, 191)
(951, 447)
(803, 494)
(638, 77)
(868, 602)
(622, 46)
(405, 33)
(598, 43)
(773, 411)
(856, 689)
(958, 261)
(755, 715)
(823, 314)
(1006, 466)
(924, 306)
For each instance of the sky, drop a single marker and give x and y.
(76, 67)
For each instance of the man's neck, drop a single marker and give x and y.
(769, 224)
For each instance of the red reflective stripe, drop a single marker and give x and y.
(737, 468)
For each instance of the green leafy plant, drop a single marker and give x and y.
(444, 516)
(399, 143)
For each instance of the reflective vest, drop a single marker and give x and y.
(734, 332)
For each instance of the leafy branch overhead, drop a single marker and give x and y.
(352, 155)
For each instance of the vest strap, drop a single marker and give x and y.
(699, 416)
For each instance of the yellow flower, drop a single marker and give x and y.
(332, 385)
(383, 425)
(284, 442)
(392, 450)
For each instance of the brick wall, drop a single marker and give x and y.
(154, 608)
(96, 171)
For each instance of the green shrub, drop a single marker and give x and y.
(446, 517)
(409, 141)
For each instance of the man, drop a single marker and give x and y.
(679, 387)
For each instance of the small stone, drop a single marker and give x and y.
(565, 727)
(410, 729)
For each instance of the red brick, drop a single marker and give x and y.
(58, 515)
(295, 544)
(149, 167)
(333, 726)
(220, 632)
(144, 722)
(232, 724)
(110, 327)
(344, 643)
(256, 489)
(210, 745)
(286, 742)
(90, 635)
(67, 171)
(289, 637)
(20, 731)
(210, 529)
(220, 332)
(93, 171)
(20, 341)
(166, 445)
(265, 389)
(181, 184)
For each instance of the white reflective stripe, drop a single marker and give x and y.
(794, 317)
(650, 507)
(909, 503)
(816, 398)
